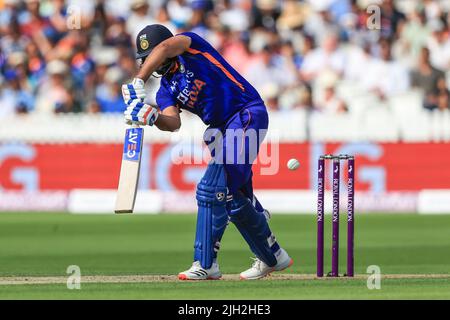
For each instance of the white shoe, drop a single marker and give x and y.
(259, 269)
(196, 272)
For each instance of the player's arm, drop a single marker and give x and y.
(169, 119)
(167, 49)
(134, 93)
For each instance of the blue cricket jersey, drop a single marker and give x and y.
(206, 85)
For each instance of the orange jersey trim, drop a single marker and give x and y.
(218, 65)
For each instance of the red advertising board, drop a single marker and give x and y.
(380, 167)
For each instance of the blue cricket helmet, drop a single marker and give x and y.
(149, 37)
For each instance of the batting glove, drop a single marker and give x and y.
(140, 113)
(133, 90)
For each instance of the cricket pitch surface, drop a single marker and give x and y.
(226, 277)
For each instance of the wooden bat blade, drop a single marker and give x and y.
(129, 171)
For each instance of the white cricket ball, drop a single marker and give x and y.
(293, 164)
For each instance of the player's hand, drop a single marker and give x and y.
(140, 113)
(133, 90)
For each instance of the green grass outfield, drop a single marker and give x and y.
(36, 244)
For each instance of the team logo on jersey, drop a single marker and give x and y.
(182, 69)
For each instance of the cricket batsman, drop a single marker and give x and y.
(196, 78)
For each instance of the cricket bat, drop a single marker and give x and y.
(129, 171)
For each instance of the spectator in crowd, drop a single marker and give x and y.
(55, 94)
(428, 79)
(391, 19)
(12, 40)
(163, 18)
(13, 98)
(108, 94)
(319, 21)
(359, 58)
(439, 45)
(236, 50)
(34, 70)
(116, 34)
(331, 103)
(7, 14)
(200, 21)
(443, 95)
(308, 45)
(265, 14)
(432, 9)
(180, 12)
(413, 36)
(17, 61)
(327, 57)
(270, 70)
(234, 17)
(270, 94)
(289, 61)
(326, 99)
(139, 18)
(385, 76)
(284, 48)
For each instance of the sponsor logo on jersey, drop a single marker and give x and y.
(189, 95)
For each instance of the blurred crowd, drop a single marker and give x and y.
(72, 56)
